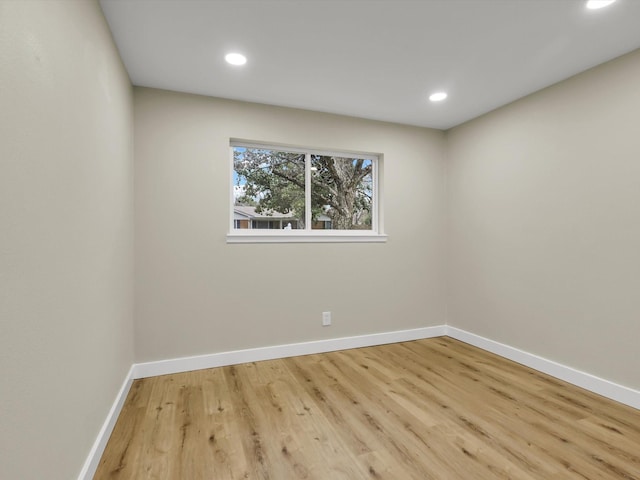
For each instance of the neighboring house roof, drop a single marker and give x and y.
(250, 212)
(241, 212)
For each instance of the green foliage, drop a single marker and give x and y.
(341, 188)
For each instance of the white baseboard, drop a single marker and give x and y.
(177, 365)
(598, 385)
(185, 364)
(95, 454)
(587, 381)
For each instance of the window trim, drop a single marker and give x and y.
(309, 235)
(275, 236)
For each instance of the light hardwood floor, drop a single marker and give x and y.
(428, 409)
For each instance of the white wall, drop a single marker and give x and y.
(66, 234)
(196, 294)
(544, 223)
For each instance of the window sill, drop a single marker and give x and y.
(306, 237)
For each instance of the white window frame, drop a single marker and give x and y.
(308, 235)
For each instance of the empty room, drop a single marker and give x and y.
(305, 239)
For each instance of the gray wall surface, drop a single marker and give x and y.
(196, 294)
(522, 226)
(544, 223)
(66, 234)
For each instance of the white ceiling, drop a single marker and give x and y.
(369, 58)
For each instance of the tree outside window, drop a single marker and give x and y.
(307, 189)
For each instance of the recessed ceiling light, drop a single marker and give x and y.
(235, 58)
(596, 4)
(437, 97)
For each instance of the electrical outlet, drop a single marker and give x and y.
(326, 319)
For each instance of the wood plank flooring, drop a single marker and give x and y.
(428, 409)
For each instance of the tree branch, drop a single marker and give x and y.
(288, 178)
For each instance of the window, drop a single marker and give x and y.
(292, 194)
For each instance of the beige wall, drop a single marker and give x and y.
(66, 234)
(196, 294)
(543, 209)
(544, 223)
